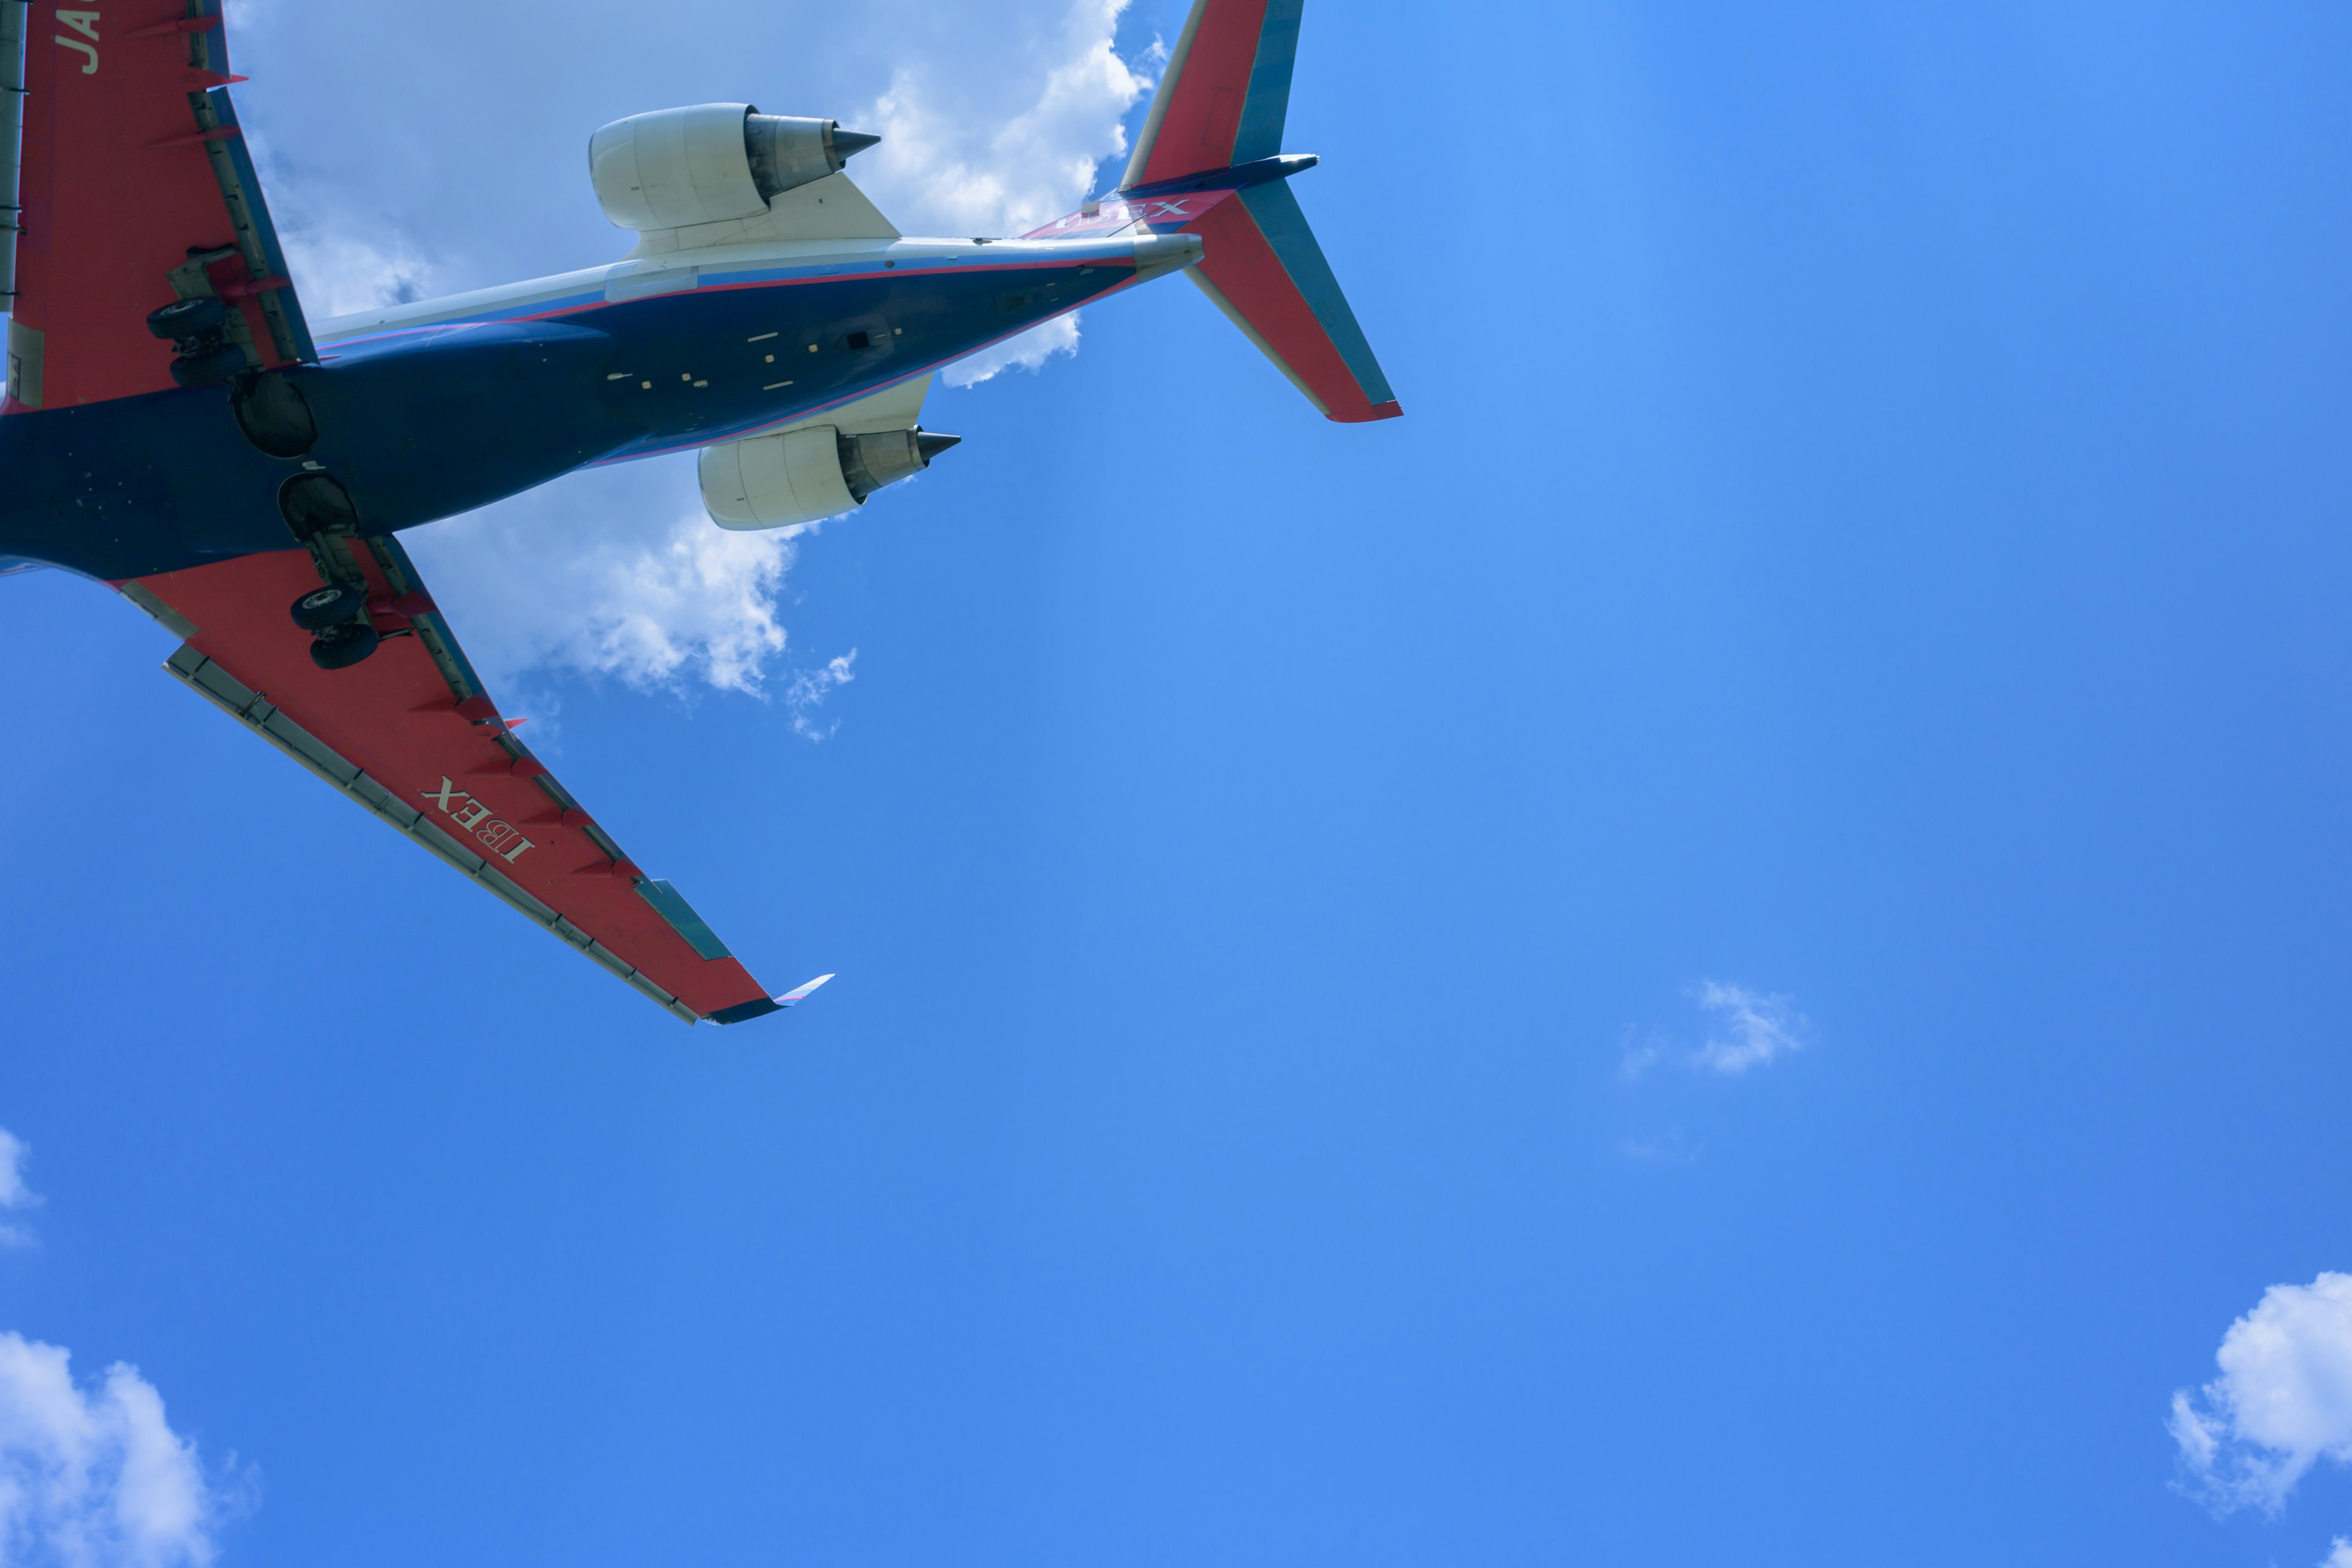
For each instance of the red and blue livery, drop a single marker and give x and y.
(177, 425)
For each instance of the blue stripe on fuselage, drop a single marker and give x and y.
(430, 418)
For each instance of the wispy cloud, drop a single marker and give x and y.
(14, 1195)
(1669, 1147)
(1754, 1028)
(2282, 1403)
(1641, 1049)
(2340, 1556)
(1747, 1029)
(95, 1477)
(809, 689)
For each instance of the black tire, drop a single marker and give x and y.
(331, 605)
(340, 647)
(187, 319)
(212, 365)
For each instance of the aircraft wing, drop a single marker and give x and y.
(410, 735)
(137, 190)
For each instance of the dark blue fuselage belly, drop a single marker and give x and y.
(427, 423)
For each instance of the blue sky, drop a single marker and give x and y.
(1728, 943)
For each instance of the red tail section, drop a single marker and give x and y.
(1225, 94)
(1208, 163)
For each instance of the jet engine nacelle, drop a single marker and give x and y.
(710, 162)
(809, 474)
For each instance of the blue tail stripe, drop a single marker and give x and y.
(1268, 104)
(1285, 228)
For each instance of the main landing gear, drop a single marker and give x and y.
(331, 605)
(336, 616)
(340, 647)
(198, 328)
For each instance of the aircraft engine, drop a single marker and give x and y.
(810, 474)
(710, 162)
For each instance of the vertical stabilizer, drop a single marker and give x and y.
(1225, 94)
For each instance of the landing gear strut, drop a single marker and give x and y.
(335, 614)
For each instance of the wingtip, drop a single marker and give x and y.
(800, 993)
(761, 1006)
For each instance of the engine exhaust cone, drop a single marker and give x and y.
(848, 144)
(930, 445)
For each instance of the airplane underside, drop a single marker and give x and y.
(424, 423)
(174, 424)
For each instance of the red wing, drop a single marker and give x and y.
(134, 170)
(410, 735)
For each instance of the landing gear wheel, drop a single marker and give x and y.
(330, 605)
(211, 365)
(184, 319)
(340, 647)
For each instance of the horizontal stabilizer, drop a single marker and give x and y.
(1266, 272)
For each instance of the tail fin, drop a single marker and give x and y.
(1215, 126)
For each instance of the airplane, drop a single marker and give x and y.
(174, 424)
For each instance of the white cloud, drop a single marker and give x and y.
(338, 273)
(1024, 351)
(1759, 1027)
(14, 1193)
(2282, 1403)
(2341, 1556)
(95, 1477)
(1750, 1028)
(1001, 151)
(808, 692)
(615, 571)
(965, 156)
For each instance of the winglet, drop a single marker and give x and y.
(760, 1008)
(799, 995)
